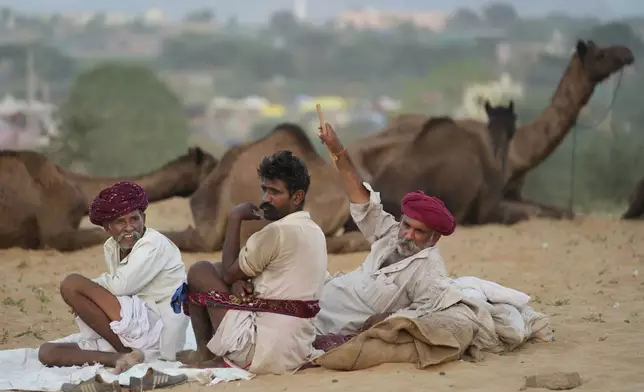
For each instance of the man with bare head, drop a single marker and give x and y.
(124, 315)
(255, 309)
(404, 269)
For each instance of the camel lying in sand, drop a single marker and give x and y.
(532, 144)
(444, 153)
(42, 204)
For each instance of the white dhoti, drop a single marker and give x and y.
(139, 328)
(234, 340)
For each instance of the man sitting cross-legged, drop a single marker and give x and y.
(270, 330)
(125, 313)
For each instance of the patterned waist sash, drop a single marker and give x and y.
(288, 307)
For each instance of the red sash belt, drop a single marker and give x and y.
(288, 307)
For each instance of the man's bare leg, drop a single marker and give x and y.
(204, 276)
(70, 354)
(96, 306)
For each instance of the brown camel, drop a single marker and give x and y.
(456, 165)
(532, 143)
(235, 181)
(42, 204)
(635, 208)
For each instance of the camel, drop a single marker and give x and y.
(635, 208)
(42, 204)
(456, 165)
(235, 181)
(532, 143)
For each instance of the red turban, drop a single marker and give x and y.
(429, 210)
(117, 200)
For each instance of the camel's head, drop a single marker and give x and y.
(502, 120)
(600, 63)
(502, 124)
(192, 169)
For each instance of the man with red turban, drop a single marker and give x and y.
(125, 314)
(404, 269)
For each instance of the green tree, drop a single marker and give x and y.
(121, 120)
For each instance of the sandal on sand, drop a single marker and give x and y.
(154, 379)
(96, 384)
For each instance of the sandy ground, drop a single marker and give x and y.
(583, 273)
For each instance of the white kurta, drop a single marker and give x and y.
(348, 300)
(287, 259)
(151, 273)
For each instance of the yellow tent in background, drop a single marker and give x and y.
(273, 111)
(327, 103)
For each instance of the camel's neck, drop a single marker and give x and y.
(533, 142)
(159, 184)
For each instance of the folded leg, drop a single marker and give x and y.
(96, 306)
(204, 276)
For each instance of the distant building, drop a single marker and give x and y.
(25, 125)
(154, 16)
(376, 19)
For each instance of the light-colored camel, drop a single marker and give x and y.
(532, 143)
(235, 181)
(42, 204)
(635, 208)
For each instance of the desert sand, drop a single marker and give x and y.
(587, 274)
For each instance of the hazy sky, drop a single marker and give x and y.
(258, 10)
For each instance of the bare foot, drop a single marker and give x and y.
(190, 357)
(126, 361)
(216, 362)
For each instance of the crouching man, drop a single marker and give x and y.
(255, 309)
(124, 315)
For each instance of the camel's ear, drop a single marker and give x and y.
(199, 155)
(582, 49)
(487, 105)
(511, 106)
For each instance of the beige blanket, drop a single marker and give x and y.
(465, 329)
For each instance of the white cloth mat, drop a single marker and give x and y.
(21, 370)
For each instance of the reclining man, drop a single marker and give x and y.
(404, 269)
(124, 314)
(270, 330)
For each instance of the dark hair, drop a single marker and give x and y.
(285, 166)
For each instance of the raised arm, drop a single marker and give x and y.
(351, 180)
(365, 207)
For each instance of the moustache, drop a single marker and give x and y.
(406, 247)
(134, 233)
(268, 207)
(270, 212)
